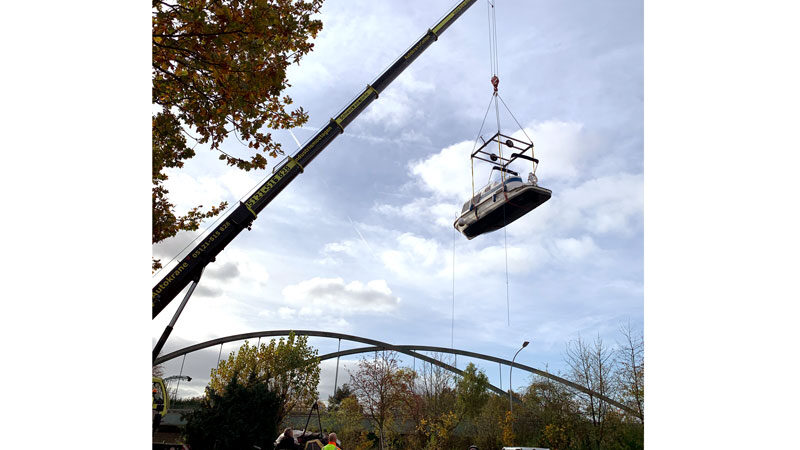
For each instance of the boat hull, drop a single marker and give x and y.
(520, 202)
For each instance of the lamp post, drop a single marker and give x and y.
(510, 403)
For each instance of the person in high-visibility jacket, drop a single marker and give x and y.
(331, 443)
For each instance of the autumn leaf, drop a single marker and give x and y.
(218, 68)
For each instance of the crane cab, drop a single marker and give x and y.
(160, 401)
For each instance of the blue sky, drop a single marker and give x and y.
(362, 242)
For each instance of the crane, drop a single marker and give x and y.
(190, 268)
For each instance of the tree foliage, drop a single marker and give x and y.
(289, 366)
(342, 392)
(219, 68)
(239, 416)
(386, 405)
(347, 419)
(488, 426)
(431, 406)
(382, 387)
(472, 391)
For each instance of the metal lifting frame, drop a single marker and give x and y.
(508, 141)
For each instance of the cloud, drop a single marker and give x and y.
(412, 254)
(562, 231)
(563, 148)
(397, 105)
(572, 249)
(169, 248)
(422, 210)
(309, 315)
(224, 271)
(206, 291)
(332, 295)
(186, 191)
(607, 205)
(349, 248)
(239, 271)
(447, 174)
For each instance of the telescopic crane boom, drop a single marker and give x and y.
(191, 266)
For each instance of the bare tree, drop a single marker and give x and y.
(592, 366)
(432, 383)
(630, 354)
(380, 386)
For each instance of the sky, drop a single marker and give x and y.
(362, 242)
(721, 242)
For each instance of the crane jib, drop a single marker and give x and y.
(243, 215)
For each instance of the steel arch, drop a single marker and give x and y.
(405, 349)
(376, 345)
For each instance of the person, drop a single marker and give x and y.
(473, 447)
(331, 443)
(286, 441)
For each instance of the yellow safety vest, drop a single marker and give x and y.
(331, 446)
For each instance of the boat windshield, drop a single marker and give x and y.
(496, 177)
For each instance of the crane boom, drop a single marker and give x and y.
(190, 267)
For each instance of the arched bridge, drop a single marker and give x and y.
(410, 350)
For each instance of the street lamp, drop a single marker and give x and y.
(510, 404)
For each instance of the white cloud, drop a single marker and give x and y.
(447, 174)
(186, 191)
(398, 103)
(608, 205)
(563, 148)
(572, 249)
(412, 254)
(422, 210)
(492, 259)
(223, 271)
(218, 306)
(308, 314)
(238, 182)
(205, 317)
(348, 247)
(332, 295)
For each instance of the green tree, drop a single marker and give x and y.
(556, 436)
(348, 422)
(289, 366)
(240, 416)
(489, 424)
(342, 392)
(439, 430)
(547, 415)
(219, 67)
(472, 392)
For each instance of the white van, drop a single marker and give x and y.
(525, 448)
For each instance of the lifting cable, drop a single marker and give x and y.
(495, 80)
(453, 319)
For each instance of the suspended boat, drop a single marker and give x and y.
(499, 204)
(507, 199)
